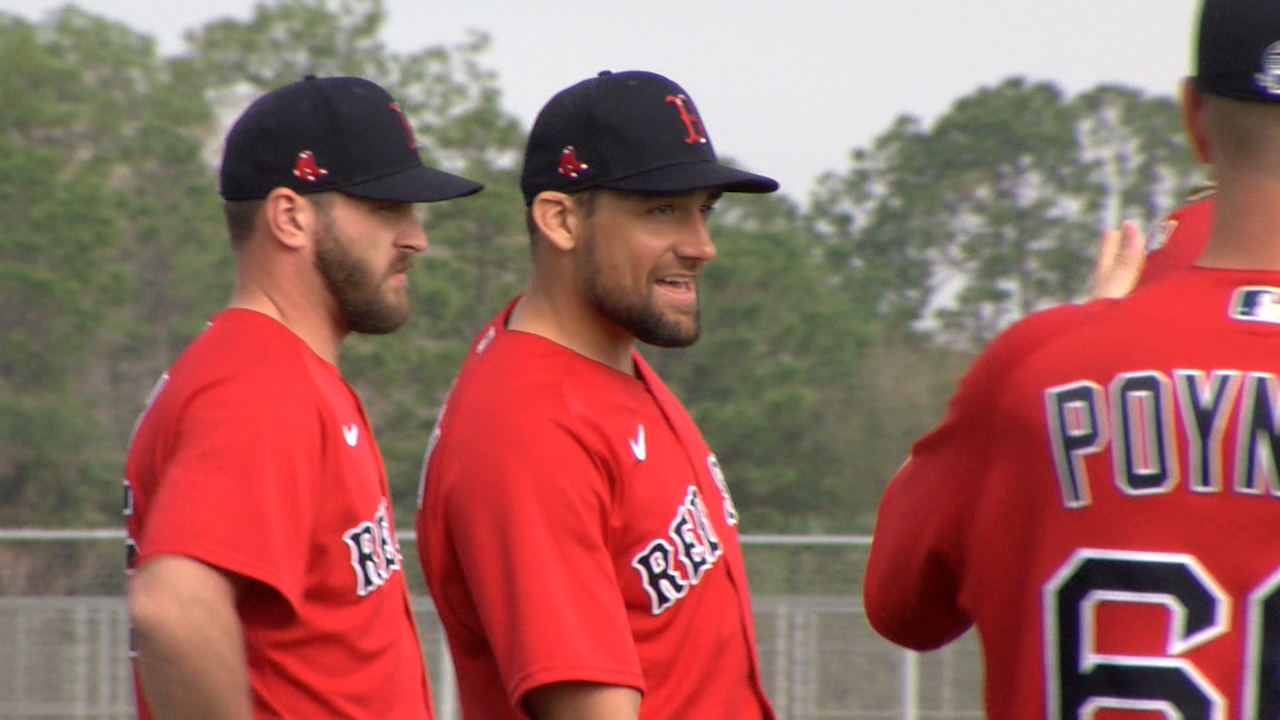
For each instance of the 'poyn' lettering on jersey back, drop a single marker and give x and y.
(1137, 417)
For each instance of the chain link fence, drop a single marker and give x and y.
(63, 635)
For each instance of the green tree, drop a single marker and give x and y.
(951, 231)
(993, 212)
(882, 269)
(833, 335)
(1136, 153)
(992, 183)
(61, 284)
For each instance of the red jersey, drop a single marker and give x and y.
(574, 526)
(1179, 239)
(1101, 501)
(255, 457)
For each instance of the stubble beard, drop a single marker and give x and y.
(364, 306)
(634, 312)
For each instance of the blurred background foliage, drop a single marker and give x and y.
(835, 326)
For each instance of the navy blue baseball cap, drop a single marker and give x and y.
(343, 134)
(631, 131)
(1238, 53)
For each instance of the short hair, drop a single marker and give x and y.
(242, 215)
(1243, 133)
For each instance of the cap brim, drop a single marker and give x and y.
(686, 177)
(419, 184)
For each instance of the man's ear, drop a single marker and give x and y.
(292, 220)
(1192, 108)
(556, 218)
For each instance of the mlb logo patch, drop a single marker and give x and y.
(1256, 304)
(1160, 234)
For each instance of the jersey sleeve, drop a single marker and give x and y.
(913, 583)
(528, 512)
(911, 588)
(235, 492)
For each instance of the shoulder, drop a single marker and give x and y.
(506, 413)
(514, 437)
(1027, 340)
(247, 340)
(519, 380)
(244, 359)
(526, 415)
(509, 375)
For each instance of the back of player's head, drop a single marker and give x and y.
(1238, 73)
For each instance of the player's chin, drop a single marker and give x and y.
(677, 331)
(396, 297)
(402, 309)
(386, 316)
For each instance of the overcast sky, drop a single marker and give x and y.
(786, 87)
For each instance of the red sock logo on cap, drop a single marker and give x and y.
(306, 168)
(569, 165)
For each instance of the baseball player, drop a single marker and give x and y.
(576, 532)
(265, 576)
(1101, 499)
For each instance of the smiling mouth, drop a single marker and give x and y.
(398, 279)
(400, 271)
(680, 285)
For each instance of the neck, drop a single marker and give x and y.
(312, 322)
(565, 321)
(1246, 224)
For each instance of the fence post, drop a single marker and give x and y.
(910, 685)
(80, 634)
(24, 654)
(948, 680)
(447, 703)
(782, 660)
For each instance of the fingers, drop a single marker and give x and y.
(1121, 254)
(1108, 248)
